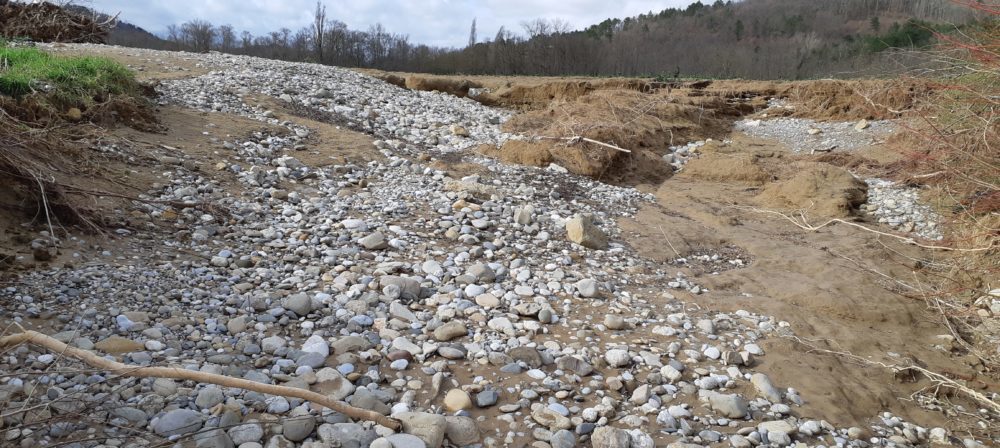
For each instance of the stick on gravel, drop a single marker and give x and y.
(55, 346)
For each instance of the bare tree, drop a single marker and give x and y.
(227, 38)
(536, 27)
(246, 40)
(174, 34)
(199, 34)
(472, 34)
(319, 29)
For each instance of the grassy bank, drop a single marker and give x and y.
(63, 81)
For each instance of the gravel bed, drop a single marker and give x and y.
(899, 207)
(494, 309)
(806, 136)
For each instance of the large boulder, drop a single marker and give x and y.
(581, 230)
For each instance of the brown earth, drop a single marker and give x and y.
(823, 283)
(818, 189)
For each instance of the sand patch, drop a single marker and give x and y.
(818, 190)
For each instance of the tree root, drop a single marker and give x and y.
(176, 373)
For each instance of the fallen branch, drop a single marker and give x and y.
(176, 373)
(804, 225)
(578, 139)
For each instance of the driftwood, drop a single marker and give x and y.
(177, 373)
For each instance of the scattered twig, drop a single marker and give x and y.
(668, 241)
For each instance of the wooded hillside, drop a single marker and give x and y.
(767, 39)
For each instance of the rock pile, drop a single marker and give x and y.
(807, 136)
(900, 208)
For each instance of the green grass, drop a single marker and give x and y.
(71, 80)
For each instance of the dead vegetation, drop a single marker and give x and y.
(840, 100)
(47, 22)
(46, 156)
(950, 149)
(645, 124)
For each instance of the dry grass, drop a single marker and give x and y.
(951, 150)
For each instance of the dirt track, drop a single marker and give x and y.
(827, 291)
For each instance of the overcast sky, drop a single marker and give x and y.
(433, 22)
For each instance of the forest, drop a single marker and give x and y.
(755, 39)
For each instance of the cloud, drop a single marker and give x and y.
(433, 22)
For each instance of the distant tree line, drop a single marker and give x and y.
(788, 39)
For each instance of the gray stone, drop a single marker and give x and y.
(765, 389)
(374, 241)
(608, 437)
(209, 396)
(563, 439)
(300, 304)
(527, 355)
(404, 441)
(298, 425)
(614, 322)
(400, 311)
(524, 215)
(272, 344)
(346, 435)
(178, 421)
(487, 398)
(248, 432)
(316, 344)
(164, 387)
(729, 405)
(461, 431)
(409, 288)
(482, 273)
(450, 330)
(777, 426)
(214, 438)
(617, 357)
(586, 287)
(430, 428)
(133, 415)
(333, 384)
(575, 365)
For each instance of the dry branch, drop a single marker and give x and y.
(578, 139)
(177, 373)
(804, 225)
